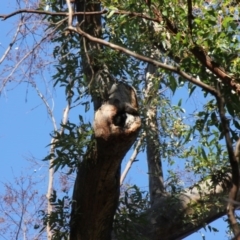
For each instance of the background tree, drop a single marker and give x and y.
(152, 46)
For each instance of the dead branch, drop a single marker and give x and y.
(12, 42)
(29, 54)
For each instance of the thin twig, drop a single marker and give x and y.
(12, 42)
(26, 56)
(20, 222)
(49, 110)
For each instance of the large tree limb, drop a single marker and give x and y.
(176, 217)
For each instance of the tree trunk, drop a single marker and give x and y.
(155, 171)
(116, 126)
(96, 190)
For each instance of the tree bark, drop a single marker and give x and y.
(176, 216)
(96, 190)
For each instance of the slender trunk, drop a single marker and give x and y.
(50, 190)
(156, 184)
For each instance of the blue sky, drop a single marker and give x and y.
(25, 130)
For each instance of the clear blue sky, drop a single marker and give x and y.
(25, 131)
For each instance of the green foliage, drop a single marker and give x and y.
(58, 220)
(195, 138)
(71, 145)
(130, 213)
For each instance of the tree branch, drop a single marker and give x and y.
(132, 158)
(6, 16)
(190, 16)
(12, 42)
(215, 68)
(233, 159)
(146, 59)
(104, 11)
(180, 211)
(70, 13)
(201, 55)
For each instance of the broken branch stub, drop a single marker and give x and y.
(118, 117)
